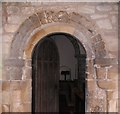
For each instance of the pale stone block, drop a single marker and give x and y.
(106, 84)
(27, 10)
(111, 43)
(101, 73)
(0, 86)
(5, 108)
(114, 19)
(0, 98)
(5, 97)
(7, 37)
(104, 7)
(0, 109)
(86, 9)
(99, 16)
(6, 48)
(15, 85)
(16, 107)
(104, 24)
(112, 72)
(17, 98)
(20, 107)
(11, 28)
(112, 106)
(16, 73)
(91, 85)
(6, 85)
(27, 73)
(16, 19)
(13, 9)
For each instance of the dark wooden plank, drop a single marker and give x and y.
(46, 77)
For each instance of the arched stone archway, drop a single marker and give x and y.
(43, 23)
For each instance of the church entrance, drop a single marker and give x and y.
(58, 74)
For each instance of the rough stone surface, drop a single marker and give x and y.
(27, 73)
(87, 9)
(11, 28)
(112, 105)
(104, 24)
(106, 84)
(113, 72)
(101, 73)
(98, 16)
(6, 97)
(104, 7)
(6, 85)
(13, 10)
(15, 73)
(5, 108)
(15, 19)
(15, 85)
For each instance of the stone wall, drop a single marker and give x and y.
(98, 22)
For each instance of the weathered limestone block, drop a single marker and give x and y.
(0, 98)
(6, 52)
(106, 84)
(96, 105)
(28, 63)
(26, 89)
(0, 109)
(5, 108)
(99, 46)
(20, 107)
(89, 69)
(15, 85)
(112, 96)
(11, 28)
(104, 24)
(16, 73)
(114, 20)
(6, 73)
(104, 7)
(26, 95)
(0, 85)
(16, 19)
(17, 96)
(105, 62)
(6, 97)
(5, 85)
(27, 73)
(101, 73)
(86, 9)
(13, 10)
(7, 37)
(96, 39)
(99, 16)
(91, 85)
(24, 28)
(27, 10)
(113, 72)
(35, 20)
(112, 105)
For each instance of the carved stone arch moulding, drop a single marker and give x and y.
(75, 22)
(46, 22)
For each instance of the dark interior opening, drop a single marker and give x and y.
(58, 74)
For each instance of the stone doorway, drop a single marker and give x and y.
(58, 77)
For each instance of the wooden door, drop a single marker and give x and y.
(45, 77)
